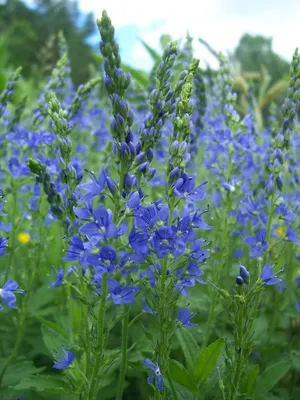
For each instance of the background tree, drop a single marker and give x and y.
(27, 30)
(254, 51)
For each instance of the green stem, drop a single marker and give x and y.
(12, 241)
(210, 320)
(223, 256)
(268, 236)
(163, 335)
(270, 217)
(124, 353)
(15, 350)
(239, 353)
(23, 311)
(100, 345)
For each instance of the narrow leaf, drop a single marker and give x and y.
(252, 379)
(181, 376)
(138, 75)
(53, 339)
(208, 360)
(271, 376)
(155, 56)
(189, 346)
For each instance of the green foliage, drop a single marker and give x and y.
(268, 379)
(22, 369)
(189, 346)
(45, 383)
(181, 376)
(254, 51)
(54, 337)
(207, 360)
(28, 29)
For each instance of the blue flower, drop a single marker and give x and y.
(75, 250)
(292, 236)
(267, 275)
(69, 357)
(138, 240)
(257, 243)
(102, 227)
(196, 272)
(60, 278)
(7, 294)
(105, 259)
(184, 282)
(185, 187)
(184, 317)
(121, 294)
(164, 241)
(3, 244)
(156, 374)
(93, 188)
(146, 217)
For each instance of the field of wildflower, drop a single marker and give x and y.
(149, 235)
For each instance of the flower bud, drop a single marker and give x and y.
(244, 273)
(239, 280)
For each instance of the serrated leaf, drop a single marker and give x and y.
(189, 346)
(53, 339)
(268, 379)
(41, 301)
(45, 383)
(181, 376)
(54, 326)
(208, 360)
(21, 370)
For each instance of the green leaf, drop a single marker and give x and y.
(295, 358)
(207, 360)
(268, 379)
(16, 372)
(138, 75)
(42, 300)
(2, 80)
(164, 40)
(189, 346)
(181, 376)
(45, 383)
(53, 326)
(155, 56)
(252, 376)
(53, 339)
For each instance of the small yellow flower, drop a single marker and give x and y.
(280, 232)
(23, 237)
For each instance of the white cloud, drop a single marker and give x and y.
(220, 22)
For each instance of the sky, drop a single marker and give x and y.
(220, 22)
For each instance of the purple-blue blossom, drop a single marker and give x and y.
(156, 375)
(8, 294)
